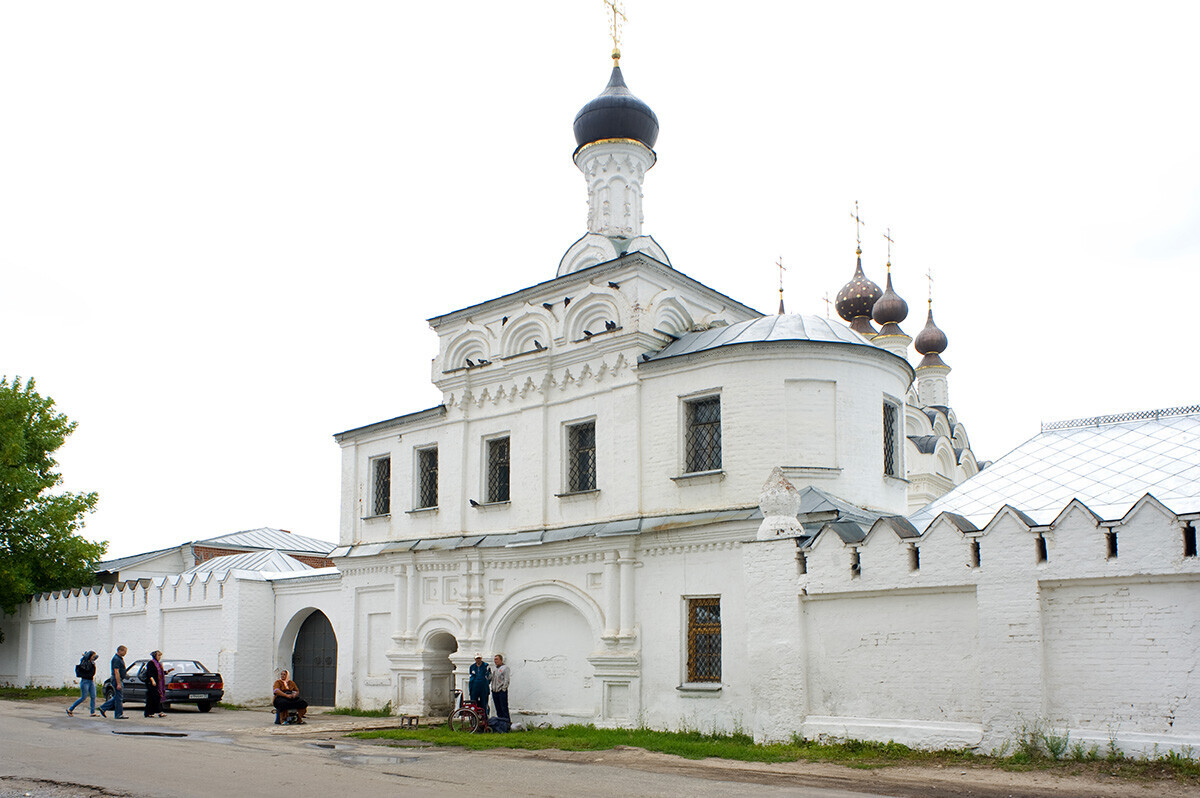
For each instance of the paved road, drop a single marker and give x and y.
(45, 754)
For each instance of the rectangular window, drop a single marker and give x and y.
(891, 453)
(497, 470)
(581, 457)
(703, 435)
(1189, 541)
(381, 486)
(704, 640)
(427, 478)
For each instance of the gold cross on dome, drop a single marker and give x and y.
(828, 303)
(858, 223)
(890, 240)
(782, 269)
(929, 277)
(617, 9)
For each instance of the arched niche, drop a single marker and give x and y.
(520, 334)
(672, 317)
(547, 632)
(470, 345)
(594, 313)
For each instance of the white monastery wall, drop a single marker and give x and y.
(894, 654)
(192, 617)
(933, 650)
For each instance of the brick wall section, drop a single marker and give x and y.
(205, 553)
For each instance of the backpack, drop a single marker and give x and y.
(80, 671)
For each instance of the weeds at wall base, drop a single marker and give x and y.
(690, 743)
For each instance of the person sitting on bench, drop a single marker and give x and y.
(287, 699)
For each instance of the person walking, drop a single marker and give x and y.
(478, 682)
(155, 680)
(500, 679)
(117, 702)
(86, 671)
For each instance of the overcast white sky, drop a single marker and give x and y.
(223, 224)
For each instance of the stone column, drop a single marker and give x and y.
(775, 648)
(400, 604)
(612, 585)
(414, 597)
(628, 625)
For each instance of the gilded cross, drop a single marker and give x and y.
(858, 222)
(890, 240)
(617, 9)
(828, 303)
(929, 277)
(782, 269)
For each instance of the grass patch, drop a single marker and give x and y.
(32, 693)
(227, 705)
(861, 754)
(688, 744)
(362, 713)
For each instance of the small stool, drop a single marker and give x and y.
(287, 718)
(410, 721)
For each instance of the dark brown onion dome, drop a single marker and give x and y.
(857, 298)
(616, 114)
(931, 342)
(890, 308)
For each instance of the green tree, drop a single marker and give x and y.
(40, 549)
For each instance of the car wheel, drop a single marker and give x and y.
(204, 706)
(108, 692)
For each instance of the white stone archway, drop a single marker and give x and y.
(548, 633)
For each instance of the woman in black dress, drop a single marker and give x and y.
(287, 698)
(155, 679)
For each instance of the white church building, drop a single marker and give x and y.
(666, 508)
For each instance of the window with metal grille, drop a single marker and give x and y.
(703, 435)
(497, 470)
(427, 478)
(704, 640)
(581, 456)
(381, 479)
(891, 458)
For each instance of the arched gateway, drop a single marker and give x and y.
(314, 660)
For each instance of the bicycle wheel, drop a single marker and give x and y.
(464, 720)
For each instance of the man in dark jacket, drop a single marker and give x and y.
(117, 702)
(478, 683)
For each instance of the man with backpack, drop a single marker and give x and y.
(86, 672)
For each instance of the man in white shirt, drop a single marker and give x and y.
(500, 676)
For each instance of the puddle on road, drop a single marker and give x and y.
(370, 759)
(150, 733)
(354, 754)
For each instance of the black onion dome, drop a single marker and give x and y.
(616, 114)
(931, 342)
(891, 307)
(857, 298)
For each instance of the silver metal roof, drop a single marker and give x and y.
(121, 563)
(537, 537)
(251, 561)
(1106, 463)
(788, 327)
(268, 538)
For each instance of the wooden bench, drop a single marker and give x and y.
(410, 721)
